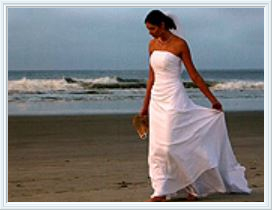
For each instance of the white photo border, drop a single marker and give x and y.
(4, 204)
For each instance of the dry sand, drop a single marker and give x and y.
(99, 158)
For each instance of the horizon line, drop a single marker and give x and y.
(204, 69)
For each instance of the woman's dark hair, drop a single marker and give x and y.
(156, 17)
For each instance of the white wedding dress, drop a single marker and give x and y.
(189, 147)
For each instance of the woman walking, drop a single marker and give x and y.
(190, 153)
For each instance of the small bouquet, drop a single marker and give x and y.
(140, 123)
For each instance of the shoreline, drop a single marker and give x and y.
(99, 158)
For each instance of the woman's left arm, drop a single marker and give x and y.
(196, 77)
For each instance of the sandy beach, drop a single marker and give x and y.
(98, 158)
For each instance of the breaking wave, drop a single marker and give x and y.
(96, 86)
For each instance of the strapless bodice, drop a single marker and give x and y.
(165, 64)
(167, 70)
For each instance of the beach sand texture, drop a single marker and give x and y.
(99, 158)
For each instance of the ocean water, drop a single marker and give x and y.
(118, 91)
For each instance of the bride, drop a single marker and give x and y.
(190, 154)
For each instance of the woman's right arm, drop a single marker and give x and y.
(149, 85)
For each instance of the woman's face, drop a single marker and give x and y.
(154, 30)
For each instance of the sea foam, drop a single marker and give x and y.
(69, 84)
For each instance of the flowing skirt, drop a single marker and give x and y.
(189, 149)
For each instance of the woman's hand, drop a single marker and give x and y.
(217, 105)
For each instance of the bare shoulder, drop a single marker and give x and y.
(181, 43)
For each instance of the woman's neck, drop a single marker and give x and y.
(165, 38)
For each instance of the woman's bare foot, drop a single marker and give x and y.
(157, 199)
(191, 197)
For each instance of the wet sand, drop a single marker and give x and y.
(98, 158)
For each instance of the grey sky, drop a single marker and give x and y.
(116, 38)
